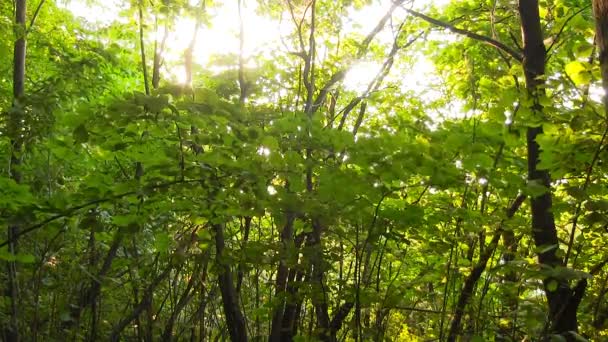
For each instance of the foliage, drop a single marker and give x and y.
(348, 214)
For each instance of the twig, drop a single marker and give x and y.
(36, 12)
(561, 30)
(68, 212)
(493, 42)
(339, 75)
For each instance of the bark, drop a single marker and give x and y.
(89, 296)
(600, 11)
(562, 300)
(142, 48)
(281, 281)
(318, 274)
(292, 308)
(469, 285)
(11, 328)
(141, 306)
(158, 57)
(241, 271)
(235, 320)
(242, 83)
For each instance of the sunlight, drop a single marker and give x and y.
(360, 75)
(232, 162)
(262, 35)
(95, 13)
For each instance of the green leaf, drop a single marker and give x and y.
(552, 286)
(535, 188)
(80, 134)
(546, 248)
(19, 257)
(162, 241)
(578, 73)
(25, 258)
(204, 234)
(270, 143)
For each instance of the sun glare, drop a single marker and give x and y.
(263, 36)
(360, 75)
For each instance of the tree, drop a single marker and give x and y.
(268, 198)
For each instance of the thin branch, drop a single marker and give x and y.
(242, 82)
(406, 308)
(36, 12)
(493, 42)
(561, 30)
(298, 26)
(375, 84)
(469, 284)
(339, 75)
(309, 76)
(142, 48)
(577, 210)
(70, 211)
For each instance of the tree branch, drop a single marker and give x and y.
(493, 42)
(469, 285)
(36, 12)
(68, 212)
(142, 48)
(561, 30)
(340, 74)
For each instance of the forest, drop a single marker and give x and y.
(304, 170)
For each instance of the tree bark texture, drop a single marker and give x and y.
(562, 300)
(235, 320)
(11, 328)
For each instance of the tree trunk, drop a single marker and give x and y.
(318, 274)
(469, 285)
(281, 281)
(234, 317)
(600, 11)
(142, 48)
(563, 301)
(11, 328)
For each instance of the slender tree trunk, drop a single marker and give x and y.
(142, 47)
(143, 304)
(281, 281)
(318, 274)
(183, 301)
(600, 11)
(158, 57)
(242, 82)
(469, 285)
(246, 227)
(11, 328)
(90, 295)
(562, 300)
(293, 303)
(234, 317)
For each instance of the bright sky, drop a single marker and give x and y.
(263, 35)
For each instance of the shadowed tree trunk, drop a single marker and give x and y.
(563, 301)
(234, 317)
(11, 328)
(469, 285)
(600, 11)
